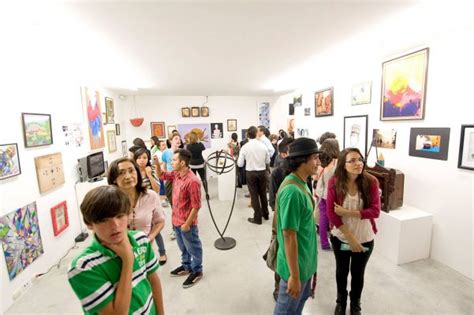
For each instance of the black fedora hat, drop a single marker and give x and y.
(303, 146)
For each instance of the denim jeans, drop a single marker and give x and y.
(286, 305)
(191, 248)
(160, 244)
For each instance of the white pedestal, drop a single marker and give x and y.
(226, 185)
(404, 235)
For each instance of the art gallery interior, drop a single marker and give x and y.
(154, 58)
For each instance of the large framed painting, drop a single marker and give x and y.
(324, 102)
(91, 103)
(404, 86)
(49, 171)
(109, 110)
(111, 141)
(355, 132)
(158, 129)
(9, 161)
(361, 93)
(37, 129)
(431, 143)
(201, 130)
(466, 148)
(59, 218)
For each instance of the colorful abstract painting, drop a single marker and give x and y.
(9, 160)
(21, 239)
(91, 100)
(202, 131)
(404, 86)
(37, 129)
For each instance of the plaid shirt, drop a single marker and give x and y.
(186, 195)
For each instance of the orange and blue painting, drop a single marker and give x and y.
(404, 86)
(91, 101)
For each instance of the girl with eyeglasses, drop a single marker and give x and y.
(353, 204)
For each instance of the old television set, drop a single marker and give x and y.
(91, 167)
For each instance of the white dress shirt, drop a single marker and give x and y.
(256, 155)
(268, 145)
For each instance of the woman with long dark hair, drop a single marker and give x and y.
(353, 204)
(197, 164)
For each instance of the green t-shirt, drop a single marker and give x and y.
(95, 273)
(295, 212)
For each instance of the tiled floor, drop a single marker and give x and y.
(238, 282)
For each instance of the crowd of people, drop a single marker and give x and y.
(310, 190)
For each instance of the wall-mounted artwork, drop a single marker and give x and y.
(49, 171)
(384, 138)
(195, 112)
(298, 100)
(37, 129)
(355, 132)
(201, 130)
(158, 129)
(91, 102)
(290, 125)
(324, 102)
(217, 130)
(244, 134)
(59, 218)
(204, 111)
(117, 129)
(307, 111)
(302, 132)
(404, 86)
(73, 135)
(264, 114)
(231, 124)
(291, 109)
(185, 112)
(170, 129)
(9, 161)
(466, 148)
(361, 93)
(111, 141)
(21, 239)
(109, 110)
(431, 143)
(124, 148)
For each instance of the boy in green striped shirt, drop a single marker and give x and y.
(116, 273)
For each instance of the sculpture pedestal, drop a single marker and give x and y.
(226, 185)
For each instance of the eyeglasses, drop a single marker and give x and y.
(354, 161)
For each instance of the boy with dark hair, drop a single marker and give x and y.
(116, 273)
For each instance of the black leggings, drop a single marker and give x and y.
(202, 174)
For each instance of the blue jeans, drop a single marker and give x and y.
(160, 244)
(286, 305)
(191, 248)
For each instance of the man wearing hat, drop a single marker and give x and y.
(296, 232)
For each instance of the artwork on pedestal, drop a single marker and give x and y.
(195, 111)
(49, 171)
(324, 102)
(20, 238)
(264, 114)
(217, 130)
(466, 148)
(37, 129)
(355, 132)
(204, 111)
(231, 124)
(404, 86)
(111, 141)
(201, 130)
(158, 129)
(431, 143)
(9, 161)
(109, 110)
(361, 93)
(91, 103)
(59, 217)
(384, 138)
(185, 112)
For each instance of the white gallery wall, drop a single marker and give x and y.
(435, 186)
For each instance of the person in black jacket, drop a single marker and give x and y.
(197, 164)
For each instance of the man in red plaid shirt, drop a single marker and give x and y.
(186, 203)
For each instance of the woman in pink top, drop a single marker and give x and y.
(147, 214)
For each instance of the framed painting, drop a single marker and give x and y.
(307, 111)
(158, 129)
(231, 124)
(466, 148)
(264, 114)
(37, 129)
(109, 110)
(185, 112)
(201, 130)
(297, 100)
(324, 102)
(361, 93)
(431, 143)
(404, 86)
(195, 112)
(111, 141)
(171, 128)
(49, 171)
(204, 111)
(9, 161)
(124, 148)
(384, 138)
(355, 132)
(91, 103)
(117, 129)
(217, 130)
(291, 109)
(59, 218)
(244, 134)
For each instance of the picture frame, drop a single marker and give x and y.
(355, 132)
(185, 112)
(384, 138)
(404, 82)
(361, 93)
(158, 129)
(217, 130)
(109, 110)
(466, 148)
(93, 113)
(49, 171)
(430, 143)
(291, 109)
(117, 129)
(59, 217)
(204, 111)
(37, 130)
(170, 129)
(124, 148)
(195, 112)
(10, 161)
(324, 102)
(231, 124)
(111, 141)
(298, 100)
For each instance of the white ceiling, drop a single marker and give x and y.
(219, 47)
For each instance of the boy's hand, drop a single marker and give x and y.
(122, 249)
(185, 228)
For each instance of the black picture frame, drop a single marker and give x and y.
(466, 148)
(424, 142)
(28, 135)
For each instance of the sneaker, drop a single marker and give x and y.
(180, 271)
(173, 235)
(192, 279)
(163, 260)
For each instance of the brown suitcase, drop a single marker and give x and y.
(391, 183)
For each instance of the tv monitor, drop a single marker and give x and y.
(91, 166)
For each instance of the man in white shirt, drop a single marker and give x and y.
(261, 135)
(256, 157)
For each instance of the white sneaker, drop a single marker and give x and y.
(172, 235)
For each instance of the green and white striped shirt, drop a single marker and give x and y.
(95, 274)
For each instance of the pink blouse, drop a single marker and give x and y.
(147, 212)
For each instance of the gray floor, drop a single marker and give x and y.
(238, 282)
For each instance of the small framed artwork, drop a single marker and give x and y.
(59, 218)
(231, 124)
(171, 128)
(49, 171)
(117, 129)
(431, 143)
(109, 110)
(404, 86)
(307, 111)
(384, 138)
(466, 148)
(355, 132)
(324, 102)
(158, 129)
(291, 109)
(9, 161)
(297, 100)
(111, 141)
(195, 112)
(124, 148)
(185, 112)
(204, 111)
(361, 93)
(37, 129)
(217, 130)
